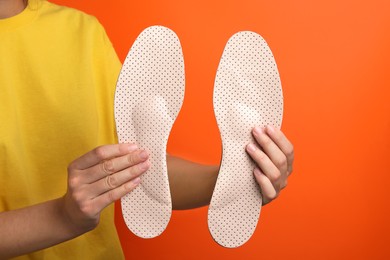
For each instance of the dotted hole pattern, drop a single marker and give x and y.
(247, 93)
(148, 98)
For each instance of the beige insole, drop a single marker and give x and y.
(247, 93)
(148, 98)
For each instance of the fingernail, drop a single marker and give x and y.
(251, 147)
(136, 180)
(145, 165)
(132, 147)
(143, 155)
(258, 130)
(257, 171)
(270, 128)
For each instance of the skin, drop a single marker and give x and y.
(105, 174)
(9, 8)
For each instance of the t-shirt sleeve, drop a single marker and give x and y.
(107, 68)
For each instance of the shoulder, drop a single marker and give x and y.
(66, 16)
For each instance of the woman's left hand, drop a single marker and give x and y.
(274, 155)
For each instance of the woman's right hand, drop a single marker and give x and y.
(98, 178)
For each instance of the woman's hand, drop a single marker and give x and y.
(95, 180)
(274, 156)
(99, 178)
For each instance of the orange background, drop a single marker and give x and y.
(334, 61)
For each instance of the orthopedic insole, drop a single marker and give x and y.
(148, 98)
(247, 93)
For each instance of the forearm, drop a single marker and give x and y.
(33, 228)
(95, 180)
(191, 184)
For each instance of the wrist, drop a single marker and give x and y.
(74, 224)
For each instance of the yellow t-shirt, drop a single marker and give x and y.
(58, 72)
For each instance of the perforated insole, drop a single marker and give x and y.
(247, 93)
(148, 98)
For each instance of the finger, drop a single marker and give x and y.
(114, 165)
(112, 195)
(265, 164)
(283, 143)
(271, 149)
(268, 191)
(100, 154)
(116, 180)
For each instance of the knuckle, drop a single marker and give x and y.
(290, 170)
(100, 152)
(122, 148)
(279, 137)
(108, 166)
(275, 176)
(261, 156)
(86, 209)
(284, 184)
(134, 171)
(266, 141)
(111, 182)
(117, 193)
(112, 196)
(290, 152)
(281, 162)
(78, 197)
(73, 182)
(130, 159)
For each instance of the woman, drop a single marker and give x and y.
(57, 78)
